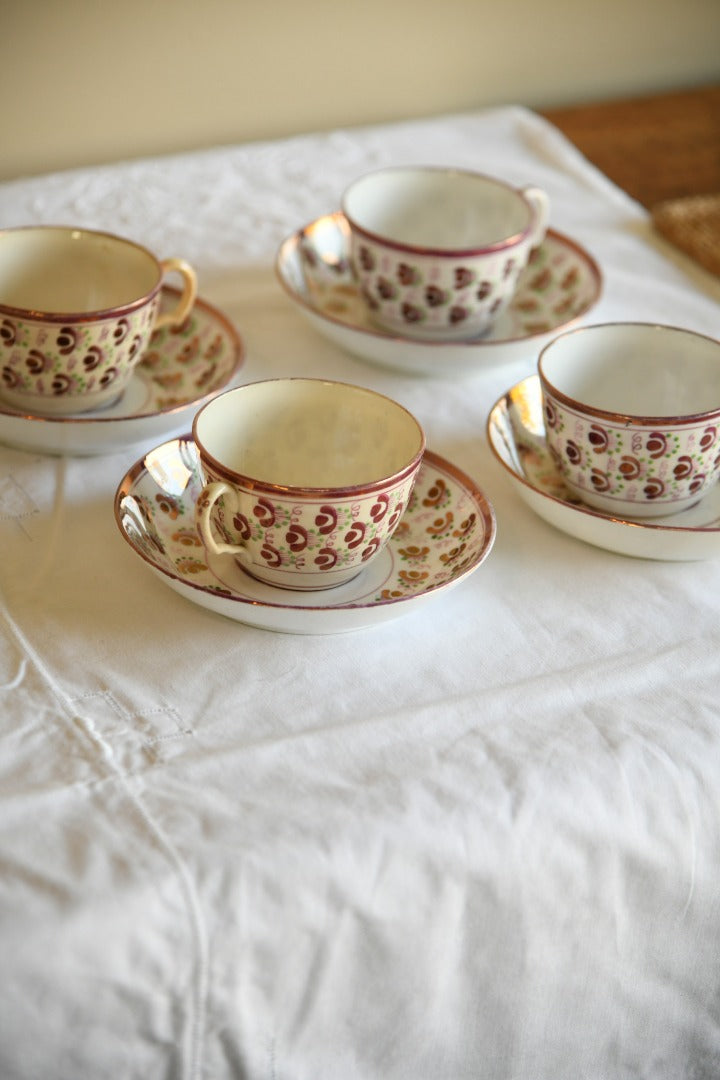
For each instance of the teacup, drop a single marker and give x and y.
(438, 252)
(77, 309)
(305, 479)
(632, 414)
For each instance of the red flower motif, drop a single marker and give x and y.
(463, 277)
(696, 483)
(656, 444)
(366, 258)
(395, 517)
(573, 452)
(271, 555)
(326, 520)
(484, 290)
(242, 526)
(122, 328)
(37, 362)
(434, 296)
(411, 313)
(386, 289)
(380, 508)
(654, 488)
(457, 315)
(551, 416)
(264, 511)
(60, 385)
(326, 558)
(66, 340)
(707, 438)
(355, 534)
(297, 537)
(108, 376)
(10, 378)
(600, 480)
(598, 438)
(684, 468)
(370, 550)
(8, 332)
(92, 358)
(630, 468)
(407, 275)
(134, 346)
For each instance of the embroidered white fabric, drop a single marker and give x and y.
(481, 841)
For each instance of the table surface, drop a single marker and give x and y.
(657, 147)
(479, 841)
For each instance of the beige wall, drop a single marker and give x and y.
(90, 81)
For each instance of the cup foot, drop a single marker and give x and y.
(62, 405)
(629, 510)
(293, 582)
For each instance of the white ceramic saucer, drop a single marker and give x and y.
(516, 433)
(561, 284)
(181, 369)
(444, 535)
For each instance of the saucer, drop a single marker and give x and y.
(181, 369)
(516, 433)
(446, 532)
(561, 284)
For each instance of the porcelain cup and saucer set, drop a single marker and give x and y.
(308, 505)
(97, 349)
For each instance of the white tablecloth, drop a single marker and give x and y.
(480, 841)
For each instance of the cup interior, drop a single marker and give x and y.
(56, 270)
(307, 433)
(635, 370)
(439, 209)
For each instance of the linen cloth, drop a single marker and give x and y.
(481, 841)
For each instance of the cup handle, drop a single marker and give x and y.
(540, 202)
(179, 314)
(205, 502)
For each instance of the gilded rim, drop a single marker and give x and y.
(434, 252)
(301, 491)
(28, 315)
(682, 420)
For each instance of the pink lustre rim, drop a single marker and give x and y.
(440, 252)
(335, 492)
(101, 314)
(301, 490)
(683, 420)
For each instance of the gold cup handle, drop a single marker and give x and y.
(180, 312)
(203, 507)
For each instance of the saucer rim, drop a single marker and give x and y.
(291, 242)
(459, 476)
(643, 524)
(95, 417)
